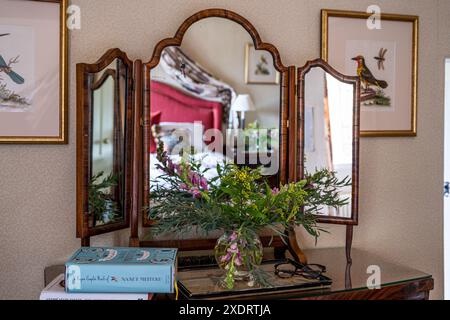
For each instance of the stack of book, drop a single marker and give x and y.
(115, 274)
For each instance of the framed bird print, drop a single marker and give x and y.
(384, 56)
(259, 67)
(33, 72)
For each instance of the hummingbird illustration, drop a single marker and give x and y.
(381, 58)
(366, 76)
(6, 68)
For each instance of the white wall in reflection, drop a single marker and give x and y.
(329, 130)
(103, 128)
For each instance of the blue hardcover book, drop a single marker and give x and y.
(137, 270)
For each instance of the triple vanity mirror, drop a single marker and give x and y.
(215, 92)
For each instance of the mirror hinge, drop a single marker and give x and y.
(287, 124)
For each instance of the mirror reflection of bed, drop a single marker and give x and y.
(329, 130)
(203, 102)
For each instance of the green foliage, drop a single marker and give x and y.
(238, 198)
(7, 95)
(262, 139)
(101, 203)
(381, 99)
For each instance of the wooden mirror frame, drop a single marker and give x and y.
(287, 137)
(85, 87)
(355, 82)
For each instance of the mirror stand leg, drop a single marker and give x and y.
(134, 242)
(86, 242)
(348, 276)
(293, 247)
(348, 243)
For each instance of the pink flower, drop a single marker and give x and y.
(184, 186)
(233, 248)
(238, 260)
(170, 165)
(275, 191)
(195, 178)
(233, 236)
(225, 258)
(195, 193)
(204, 183)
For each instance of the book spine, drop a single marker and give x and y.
(94, 296)
(94, 278)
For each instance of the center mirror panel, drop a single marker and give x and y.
(217, 98)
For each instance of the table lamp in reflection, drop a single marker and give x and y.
(241, 105)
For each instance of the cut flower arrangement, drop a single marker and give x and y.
(239, 202)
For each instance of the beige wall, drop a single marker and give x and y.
(401, 178)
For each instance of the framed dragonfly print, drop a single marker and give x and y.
(385, 59)
(33, 71)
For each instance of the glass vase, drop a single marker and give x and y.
(237, 253)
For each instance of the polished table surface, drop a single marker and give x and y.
(354, 276)
(350, 281)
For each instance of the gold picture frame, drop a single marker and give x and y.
(248, 78)
(326, 14)
(62, 137)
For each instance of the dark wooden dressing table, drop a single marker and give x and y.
(349, 282)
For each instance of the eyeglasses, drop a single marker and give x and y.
(290, 268)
